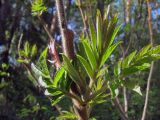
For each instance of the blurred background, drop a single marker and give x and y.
(20, 99)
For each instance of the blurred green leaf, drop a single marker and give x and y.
(126, 62)
(67, 115)
(38, 7)
(117, 69)
(93, 36)
(27, 49)
(57, 100)
(133, 69)
(34, 50)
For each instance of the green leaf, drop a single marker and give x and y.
(117, 69)
(133, 69)
(42, 63)
(71, 70)
(27, 49)
(111, 32)
(93, 36)
(22, 53)
(108, 52)
(113, 86)
(102, 71)
(147, 59)
(114, 91)
(99, 30)
(86, 66)
(67, 115)
(57, 100)
(58, 76)
(142, 52)
(114, 34)
(132, 85)
(39, 72)
(154, 50)
(34, 50)
(126, 62)
(138, 90)
(20, 60)
(54, 91)
(90, 55)
(38, 7)
(129, 84)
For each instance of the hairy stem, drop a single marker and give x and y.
(67, 42)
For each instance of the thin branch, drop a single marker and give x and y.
(46, 28)
(152, 65)
(84, 19)
(120, 109)
(125, 100)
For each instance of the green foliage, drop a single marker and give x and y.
(135, 62)
(38, 7)
(92, 57)
(27, 53)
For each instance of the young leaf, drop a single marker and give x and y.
(93, 35)
(33, 50)
(142, 52)
(114, 34)
(27, 49)
(132, 85)
(117, 69)
(54, 91)
(133, 69)
(42, 63)
(102, 71)
(38, 7)
(58, 76)
(57, 100)
(108, 52)
(128, 59)
(154, 50)
(138, 90)
(71, 70)
(67, 115)
(90, 55)
(99, 30)
(109, 37)
(86, 66)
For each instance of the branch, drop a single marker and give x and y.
(120, 109)
(67, 35)
(152, 65)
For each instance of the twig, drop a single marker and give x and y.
(46, 28)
